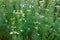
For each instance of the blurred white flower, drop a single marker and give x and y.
(13, 27)
(17, 12)
(21, 11)
(36, 28)
(38, 34)
(28, 28)
(57, 6)
(41, 16)
(36, 22)
(39, 23)
(22, 5)
(30, 6)
(11, 32)
(47, 9)
(42, 2)
(25, 20)
(39, 7)
(28, 10)
(21, 30)
(14, 32)
(17, 33)
(12, 18)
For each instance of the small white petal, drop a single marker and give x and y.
(47, 9)
(57, 6)
(21, 30)
(17, 33)
(36, 28)
(41, 16)
(11, 32)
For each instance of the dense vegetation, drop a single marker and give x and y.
(29, 19)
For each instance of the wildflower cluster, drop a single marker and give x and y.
(31, 19)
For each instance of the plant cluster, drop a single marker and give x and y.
(30, 19)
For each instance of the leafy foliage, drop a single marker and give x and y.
(30, 19)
